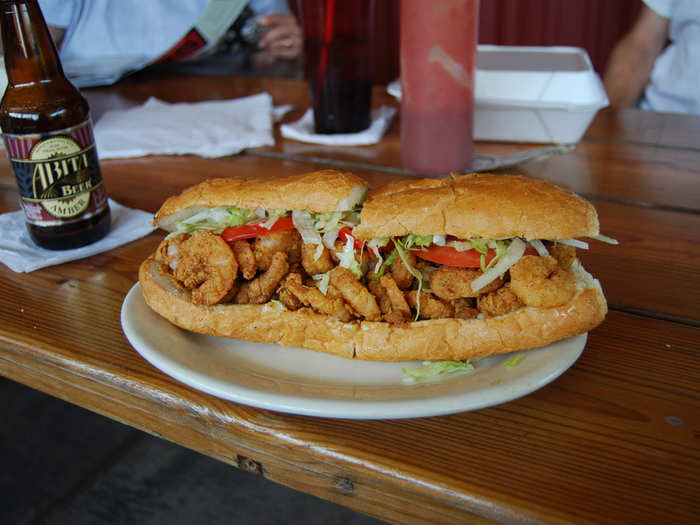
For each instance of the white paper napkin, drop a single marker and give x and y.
(303, 130)
(20, 254)
(209, 129)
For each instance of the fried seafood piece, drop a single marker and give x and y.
(202, 262)
(392, 303)
(541, 282)
(431, 307)
(313, 297)
(287, 241)
(464, 308)
(499, 302)
(396, 298)
(380, 295)
(260, 289)
(401, 274)
(355, 293)
(314, 266)
(450, 282)
(563, 253)
(288, 299)
(245, 258)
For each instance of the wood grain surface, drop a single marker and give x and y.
(613, 440)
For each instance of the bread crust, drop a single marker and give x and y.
(438, 339)
(477, 205)
(318, 191)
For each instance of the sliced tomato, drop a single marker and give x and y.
(453, 257)
(345, 232)
(255, 229)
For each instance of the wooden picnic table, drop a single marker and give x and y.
(612, 440)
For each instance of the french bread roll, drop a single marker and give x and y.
(318, 191)
(477, 205)
(467, 207)
(438, 339)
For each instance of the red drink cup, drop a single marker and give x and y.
(338, 47)
(438, 55)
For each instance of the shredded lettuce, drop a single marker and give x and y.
(325, 222)
(539, 247)
(323, 281)
(373, 245)
(460, 246)
(272, 216)
(216, 219)
(512, 363)
(303, 222)
(400, 249)
(346, 258)
(329, 224)
(513, 253)
(387, 262)
(501, 248)
(412, 240)
(574, 242)
(334, 220)
(606, 239)
(433, 370)
(480, 245)
(273, 305)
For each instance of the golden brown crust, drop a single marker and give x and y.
(458, 339)
(377, 341)
(258, 323)
(318, 191)
(477, 205)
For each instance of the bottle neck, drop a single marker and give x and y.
(30, 53)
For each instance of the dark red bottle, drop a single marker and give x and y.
(48, 135)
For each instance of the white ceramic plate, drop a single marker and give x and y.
(301, 381)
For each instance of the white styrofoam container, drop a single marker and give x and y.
(533, 94)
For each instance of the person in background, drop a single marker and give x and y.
(655, 65)
(101, 41)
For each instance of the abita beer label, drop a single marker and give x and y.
(58, 175)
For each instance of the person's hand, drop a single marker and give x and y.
(283, 38)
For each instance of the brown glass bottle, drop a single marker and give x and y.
(48, 135)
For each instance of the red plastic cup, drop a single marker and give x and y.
(338, 47)
(438, 56)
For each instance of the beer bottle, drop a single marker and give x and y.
(48, 136)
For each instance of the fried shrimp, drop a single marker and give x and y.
(499, 302)
(399, 309)
(202, 262)
(288, 299)
(541, 282)
(287, 241)
(431, 307)
(401, 274)
(464, 308)
(311, 264)
(260, 289)
(563, 253)
(245, 258)
(355, 293)
(450, 282)
(313, 297)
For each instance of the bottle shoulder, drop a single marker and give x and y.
(44, 106)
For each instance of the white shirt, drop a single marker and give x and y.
(674, 85)
(106, 39)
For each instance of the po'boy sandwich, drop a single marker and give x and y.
(437, 269)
